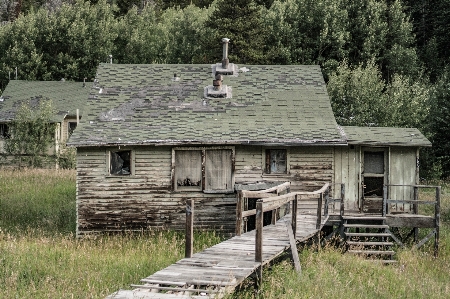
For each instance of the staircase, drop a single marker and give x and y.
(368, 236)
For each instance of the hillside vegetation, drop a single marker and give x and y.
(41, 258)
(385, 61)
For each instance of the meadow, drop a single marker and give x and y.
(41, 258)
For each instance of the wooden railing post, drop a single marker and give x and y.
(259, 231)
(239, 206)
(437, 218)
(259, 242)
(189, 228)
(319, 211)
(342, 205)
(294, 214)
(416, 211)
(342, 211)
(327, 197)
(385, 195)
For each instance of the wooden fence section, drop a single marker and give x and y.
(219, 269)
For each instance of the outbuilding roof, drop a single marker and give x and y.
(169, 104)
(385, 136)
(66, 97)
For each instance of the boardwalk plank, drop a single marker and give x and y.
(225, 265)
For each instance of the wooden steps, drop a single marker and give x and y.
(368, 236)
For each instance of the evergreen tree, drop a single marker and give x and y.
(241, 22)
(439, 124)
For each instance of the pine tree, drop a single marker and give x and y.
(241, 22)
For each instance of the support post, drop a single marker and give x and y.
(189, 228)
(294, 252)
(385, 195)
(319, 211)
(437, 218)
(327, 197)
(294, 215)
(416, 211)
(341, 211)
(239, 206)
(259, 243)
(259, 231)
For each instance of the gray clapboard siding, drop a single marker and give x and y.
(146, 199)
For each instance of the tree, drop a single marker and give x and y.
(360, 97)
(439, 124)
(31, 133)
(241, 22)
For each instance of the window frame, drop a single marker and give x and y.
(108, 162)
(267, 157)
(4, 131)
(202, 187)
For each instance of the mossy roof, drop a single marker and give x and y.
(66, 97)
(386, 136)
(146, 104)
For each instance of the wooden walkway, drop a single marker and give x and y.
(219, 269)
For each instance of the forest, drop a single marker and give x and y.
(385, 61)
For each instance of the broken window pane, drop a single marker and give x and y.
(120, 163)
(373, 186)
(276, 161)
(188, 169)
(4, 131)
(71, 127)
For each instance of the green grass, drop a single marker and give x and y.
(38, 199)
(41, 258)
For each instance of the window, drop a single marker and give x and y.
(4, 131)
(276, 161)
(120, 163)
(71, 126)
(203, 169)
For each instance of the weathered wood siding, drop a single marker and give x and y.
(145, 199)
(347, 169)
(403, 171)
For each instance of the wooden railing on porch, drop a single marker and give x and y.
(416, 202)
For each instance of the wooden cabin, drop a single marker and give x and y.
(66, 98)
(154, 136)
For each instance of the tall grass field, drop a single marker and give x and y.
(41, 258)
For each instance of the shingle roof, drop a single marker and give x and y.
(145, 104)
(66, 97)
(385, 136)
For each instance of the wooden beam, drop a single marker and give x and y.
(189, 228)
(239, 216)
(294, 251)
(259, 232)
(437, 219)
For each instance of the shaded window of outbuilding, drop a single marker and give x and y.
(120, 163)
(276, 161)
(71, 126)
(4, 131)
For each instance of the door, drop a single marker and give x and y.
(374, 177)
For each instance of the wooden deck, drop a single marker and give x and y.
(221, 268)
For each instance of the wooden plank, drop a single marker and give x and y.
(189, 228)
(293, 244)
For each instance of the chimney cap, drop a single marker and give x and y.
(225, 40)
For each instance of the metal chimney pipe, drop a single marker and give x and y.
(110, 58)
(225, 59)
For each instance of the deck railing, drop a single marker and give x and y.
(416, 202)
(273, 203)
(242, 202)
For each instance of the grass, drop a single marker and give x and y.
(41, 258)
